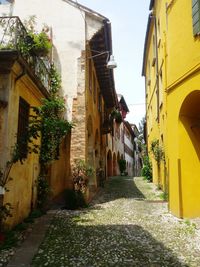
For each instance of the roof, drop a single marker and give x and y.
(128, 126)
(122, 101)
(151, 4)
(102, 41)
(85, 9)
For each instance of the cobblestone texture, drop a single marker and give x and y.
(126, 225)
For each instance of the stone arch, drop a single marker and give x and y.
(114, 164)
(189, 155)
(109, 164)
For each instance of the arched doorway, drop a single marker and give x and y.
(189, 156)
(114, 164)
(109, 164)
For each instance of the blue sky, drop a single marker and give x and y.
(129, 20)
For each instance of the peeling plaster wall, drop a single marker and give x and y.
(70, 26)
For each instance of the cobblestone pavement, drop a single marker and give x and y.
(124, 226)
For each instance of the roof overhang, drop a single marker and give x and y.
(151, 4)
(122, 101)
(149, 24)
(102, 42)
(128, 126)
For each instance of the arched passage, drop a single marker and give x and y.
(189, 156)
(114, 164)
(109, 164)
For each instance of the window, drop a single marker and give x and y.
(23, 119)
(196, 16)
(154, 51)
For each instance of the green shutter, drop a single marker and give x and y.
(196, 16)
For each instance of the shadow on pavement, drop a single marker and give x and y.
(71, 243)
(119, 187)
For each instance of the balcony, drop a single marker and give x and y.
(14, 40)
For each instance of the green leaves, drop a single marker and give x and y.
(157, 151)
(47, 122)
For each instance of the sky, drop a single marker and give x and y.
(129, 20)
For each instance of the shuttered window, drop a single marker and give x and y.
(22, 133)
(196, 16)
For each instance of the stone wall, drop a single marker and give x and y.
(78, 137)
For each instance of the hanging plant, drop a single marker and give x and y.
(36, 43)
(116, 114)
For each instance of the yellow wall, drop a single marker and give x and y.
(156, 107)
(179, 122)
(95, 150)
(22, 187)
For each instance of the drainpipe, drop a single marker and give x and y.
(157, 68)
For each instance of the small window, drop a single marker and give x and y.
(22, 133)
(196, 16)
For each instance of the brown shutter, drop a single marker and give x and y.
(22, 133)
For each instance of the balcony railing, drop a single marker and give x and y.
(14, 37)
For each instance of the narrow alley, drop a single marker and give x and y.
(126, 225)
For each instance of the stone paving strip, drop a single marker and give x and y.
(126, 225)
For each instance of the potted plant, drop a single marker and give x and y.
(115, 114)
(41, 44)
(77, 197)
(37, 43)
(122, 166)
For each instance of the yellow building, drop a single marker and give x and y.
(24, 82)
(171, 66)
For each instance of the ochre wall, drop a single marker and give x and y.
(22, 187)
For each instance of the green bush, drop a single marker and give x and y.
(122, 166)
(74, 199)
(147, 169)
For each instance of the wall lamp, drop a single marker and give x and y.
(111, 63)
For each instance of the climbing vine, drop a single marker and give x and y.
(48, 123)
(158, 151)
